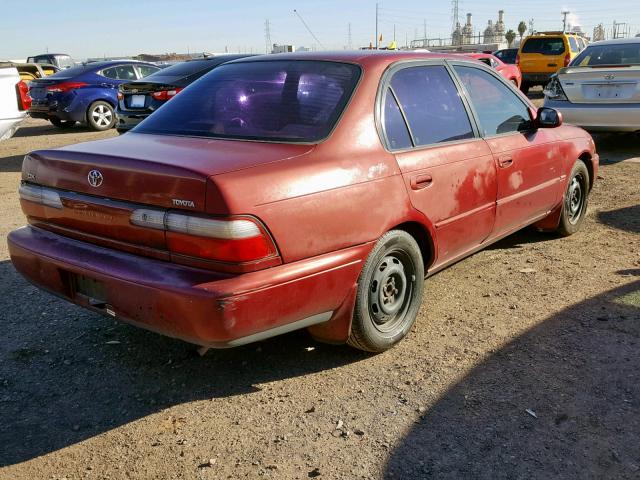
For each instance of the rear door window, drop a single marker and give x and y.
(126, 72)
(544, 45)
(394, 125)
(110, 73)
(146, 70)
(432, 105)
(499, 110)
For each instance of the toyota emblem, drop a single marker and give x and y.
(95, 178)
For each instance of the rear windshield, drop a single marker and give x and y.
(291, 101)
(622, 54)
(544, 45)
(507, 56)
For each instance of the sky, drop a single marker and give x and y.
(92, 28)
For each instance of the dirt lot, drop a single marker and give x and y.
(507, 374)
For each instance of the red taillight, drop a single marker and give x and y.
(567, 59)
(231, 251)
(24, 100)
(230, 239)
(166, 94)
(65, 87)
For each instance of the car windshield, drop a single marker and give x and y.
(544, 45)
(621, 54)
(291, 101)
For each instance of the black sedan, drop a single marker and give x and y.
(137, 100)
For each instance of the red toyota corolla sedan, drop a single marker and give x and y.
(304, 190)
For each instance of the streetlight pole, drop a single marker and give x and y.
(376, 26)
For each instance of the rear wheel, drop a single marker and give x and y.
(574, 205)
(100, 116)
(62, 123)
(389, 293)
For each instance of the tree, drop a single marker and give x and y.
(522, 27)
(510, 36)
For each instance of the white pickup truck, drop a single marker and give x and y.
(14, 101)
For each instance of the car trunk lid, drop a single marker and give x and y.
(96, 186)
(603, 84)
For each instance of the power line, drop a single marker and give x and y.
(308, 29)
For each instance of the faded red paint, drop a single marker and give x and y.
(324, 205)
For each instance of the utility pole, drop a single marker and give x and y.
(349, 42)
(267, 36)
(424, 24)
(455, 19)
(394, 32)
(531, 30)
(376, 26)
(564, 20)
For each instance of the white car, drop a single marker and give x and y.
(600, 89)
(14, 101)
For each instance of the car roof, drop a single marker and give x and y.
(617, 41)
(360, 57)
(50, 55)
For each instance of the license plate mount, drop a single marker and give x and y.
(137, 101)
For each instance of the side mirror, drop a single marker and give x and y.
(548, 118)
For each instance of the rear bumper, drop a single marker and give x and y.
(9, 126)
(202, 307)
(536, 78)
(74, 110)
(126, 121)
(595, 117)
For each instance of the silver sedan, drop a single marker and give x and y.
(600, 89)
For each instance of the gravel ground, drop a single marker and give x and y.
(524, 363)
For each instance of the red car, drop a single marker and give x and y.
(508, 71)
(311, 190)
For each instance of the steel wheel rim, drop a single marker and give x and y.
(102, 115)
(390, 290)
(574, 200)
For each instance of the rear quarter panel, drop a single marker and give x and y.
(347, 191)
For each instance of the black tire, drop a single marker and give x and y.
(100, 116)
(64, 124)
(389, 293)
(575, 200)
(524, 87)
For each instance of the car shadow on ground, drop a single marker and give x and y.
(67, 374)
(627, 218)
(619, 146)
(523, 237)
(49, 129)
(11, 164)
(560, 401)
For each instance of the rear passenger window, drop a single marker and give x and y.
(126, 72)
(394, 125)
(431, 104)
(499, 110)
(573, 43)
(110, 73)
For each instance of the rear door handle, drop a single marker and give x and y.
(421, 181)
(505, 162)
